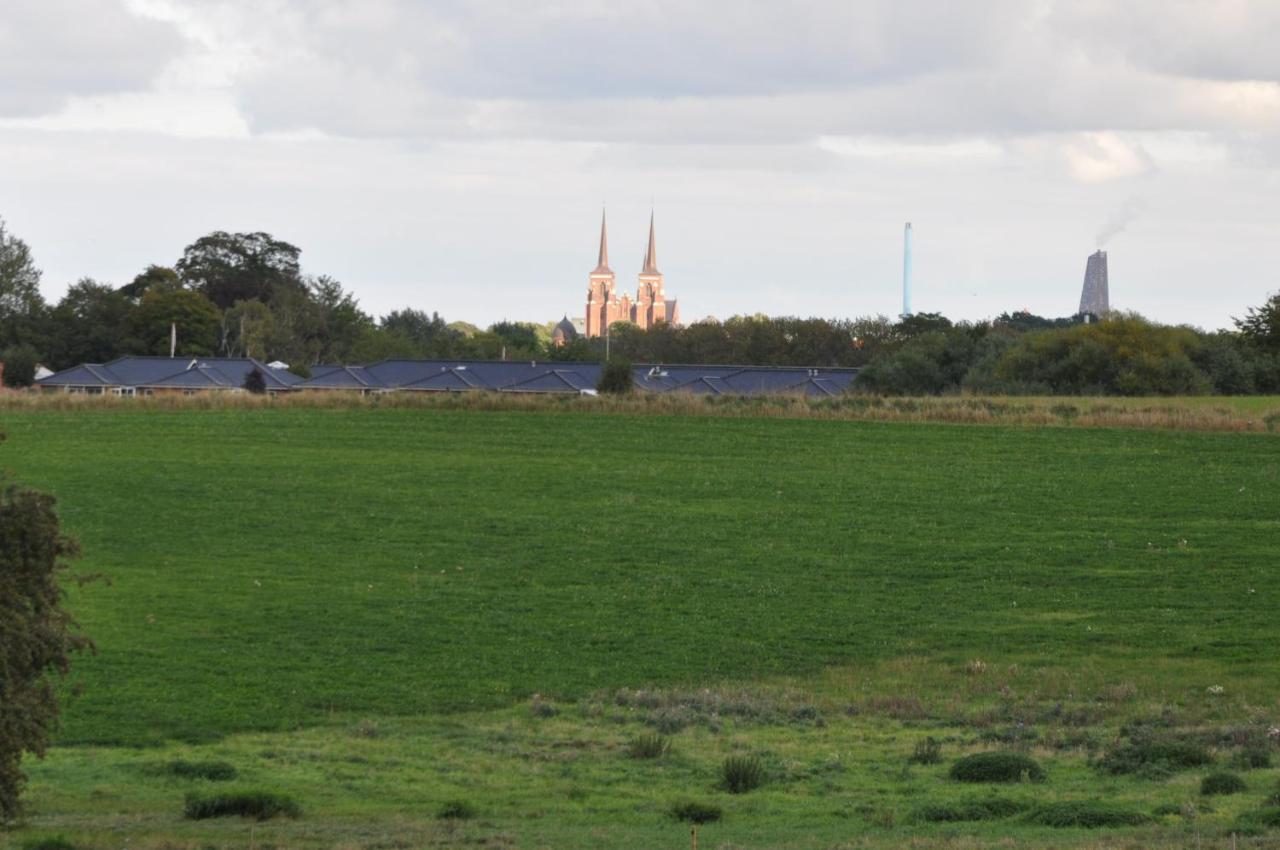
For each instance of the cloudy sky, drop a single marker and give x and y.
(453, 155)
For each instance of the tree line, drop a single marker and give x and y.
(244, 294)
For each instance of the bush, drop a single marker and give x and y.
(997, 767)
(928, 751)
(970, 810)
(651, 746)
(53, 842)
(1221, 783)
(1154, 756)
(456, 810)
(1086, 814)
(214, 771)
(740, 774)
(691, 811)
(1252, 758)
(616, 378)
(1268, 817)
(255, 382)
(259, 805)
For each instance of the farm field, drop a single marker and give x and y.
(379, 610)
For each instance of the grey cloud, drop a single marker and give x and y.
(51, 50)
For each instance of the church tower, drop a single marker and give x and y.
(651, 298)
(603, 308)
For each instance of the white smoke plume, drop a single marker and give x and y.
(1119, 220)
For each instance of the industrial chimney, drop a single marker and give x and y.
(1095, 299)
(906, 271)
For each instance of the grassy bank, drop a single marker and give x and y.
(354, 604)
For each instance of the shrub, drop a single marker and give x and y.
(1268, 817)
(997, 767)
(1252, 758)
(53, 842)
(1085, 813)
(691, 811)
(970, 810)
(928, 751)
(1221, 783)
(259, 805)
(740, 774)
(255, 382)
(616, 378)
(214, 771)
(1154, 756)
(651, 746)
(456, 810)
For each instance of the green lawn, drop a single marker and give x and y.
(279, 571)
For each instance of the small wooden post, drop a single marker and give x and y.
(693, 830)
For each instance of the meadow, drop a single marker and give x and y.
(378, 610)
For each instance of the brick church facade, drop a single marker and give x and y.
(605, 306)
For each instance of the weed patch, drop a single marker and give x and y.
(259, 805)
(740, 774)
(1221, 784)
(649, 747)
(456, 810)
(1154, 756)
(971, 810)
(928, 751)
(213, 771)
(692, 811)
(1086, 815)
(53, 842)
(997, 767)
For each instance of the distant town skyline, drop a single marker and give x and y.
(453, 157)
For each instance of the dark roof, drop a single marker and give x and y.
(197, 372)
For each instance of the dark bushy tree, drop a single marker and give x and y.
(231, 267)
(199, 323)
(19, 364)
(616, 378)
(255, 382)
(1261, 325)
(37, 636)
(21, 305)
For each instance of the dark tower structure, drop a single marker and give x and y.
(1095, 298)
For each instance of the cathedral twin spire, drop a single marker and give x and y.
(604, 306)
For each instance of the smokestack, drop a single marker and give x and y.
(1095, 297)
(173, 338)
(906, 271)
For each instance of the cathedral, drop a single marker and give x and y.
(605, 306)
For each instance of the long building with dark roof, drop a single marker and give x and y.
(159, 375)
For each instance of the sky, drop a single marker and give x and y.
(454, 155)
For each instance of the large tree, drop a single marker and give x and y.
(1261, 326)
(88, 325)
(21, 305)
(37, 637)
(231, 267)
(198, 322)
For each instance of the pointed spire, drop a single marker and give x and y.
(651, 258)
(602, 267)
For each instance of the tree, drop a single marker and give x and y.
(199, 323)
(343, 324)
(247, 329)
(19, 364)
(231, 267)
(1261, 326)
(21, 305)
(88, 325)
(616, 378)
(37, 637)
(255, 382)
(154, 279)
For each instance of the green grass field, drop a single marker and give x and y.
(280, 577)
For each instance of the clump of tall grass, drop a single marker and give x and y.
(1221, 784)
(258, 805)
(692, 811)
(927, 751)
(1086, 814)
(969, 810)
(740, 774)
(997, 767)
(649, 746)
(213, 771)
(456, 810)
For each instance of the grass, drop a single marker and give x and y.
(356, 606)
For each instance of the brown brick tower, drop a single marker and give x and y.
(603, 307)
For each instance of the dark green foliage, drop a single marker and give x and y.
(37, 637)
(969, 810)
(1221, 783)
(19, 364)
(1086, 814)
(231, 267)
(740, 774)
(1261, 325)
(692, 811)
(649, 746)
(1268, 817)
(1150, 754)
(258, 805)
(456, 810)
(214, 771)
(1252, 758)
(928, 751)
(997, 767)
(616, 378)
(255, 382)
(53, 842)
